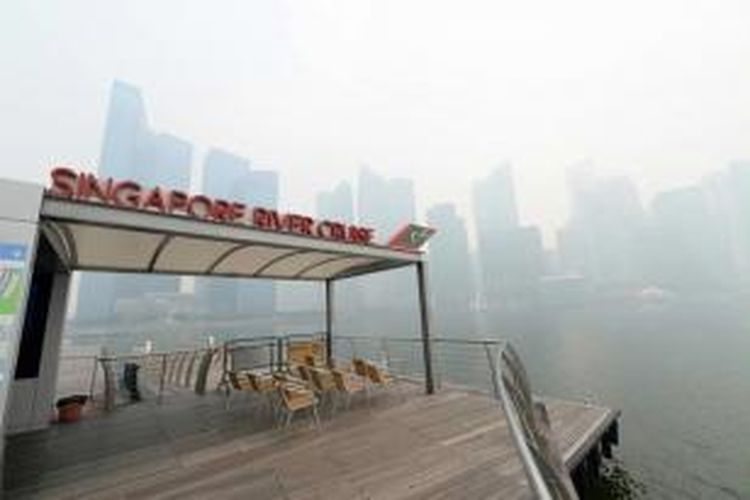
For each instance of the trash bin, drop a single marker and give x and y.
(69, 408)
(130, 381)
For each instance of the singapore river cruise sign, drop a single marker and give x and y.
(69, 183)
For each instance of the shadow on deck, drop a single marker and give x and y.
(454, 444)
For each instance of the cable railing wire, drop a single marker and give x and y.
(488, 365)
(527, 419)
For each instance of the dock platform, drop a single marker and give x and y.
(403, 445)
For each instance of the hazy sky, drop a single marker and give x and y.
(437, 91)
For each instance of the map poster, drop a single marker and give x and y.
(12, 264)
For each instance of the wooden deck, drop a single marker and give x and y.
(405, 445)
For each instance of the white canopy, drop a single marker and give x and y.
(97, 237)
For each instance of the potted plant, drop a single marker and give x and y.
(69, 408)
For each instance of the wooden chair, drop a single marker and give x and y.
(304, 373)
(264, 385)
(341, 364)
(309, 352)
(294, 399)
(289, 379)
(237, 383)
(360, 367)
(324, 385)
(348, 384)
(261, 382)
(378, 375)
(322, 379)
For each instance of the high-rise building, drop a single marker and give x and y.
(495, 212)
(729, 200)
(495, 200)
(336, 204)
(130, 150)
(690, 253)
(604, 238)
(520, 263)
(230, 177)
(385, 204)
(450, 271)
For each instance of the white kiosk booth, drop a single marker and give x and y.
(81, 222)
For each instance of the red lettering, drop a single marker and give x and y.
(220, 210)
(338, 231)
(236, 212)
(126, 194)
(155, 199)
(199, 206)
(63, 182)
(260, 218)
(359, 234)
(177, 201)
(306, 226)
(82, 187)
(289, 223)
(97, 188)
(294, 223)
(67, 183)
(367, 235)
(275, 222)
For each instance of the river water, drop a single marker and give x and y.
(680, 373)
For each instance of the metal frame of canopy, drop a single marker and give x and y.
(90, 236)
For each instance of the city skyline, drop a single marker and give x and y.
(317, 91)
(232, 177)
(604, 240)
(549, 233)
(583, 172)
(131, 149)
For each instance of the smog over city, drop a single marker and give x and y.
(585, 167)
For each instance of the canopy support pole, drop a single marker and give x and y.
(329, 322)
(424, 313)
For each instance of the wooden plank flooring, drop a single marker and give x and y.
(403, 446)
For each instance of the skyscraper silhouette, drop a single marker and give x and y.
(130, 150)
(690, 252)
(338, 204)
(228, 176)
(495, 211)
(604, 237)
(450, 271)
(385, 204)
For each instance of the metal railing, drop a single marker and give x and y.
(529, 426)
(157, 371)
(491, 366)
(488, 365)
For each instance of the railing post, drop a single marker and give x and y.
(109, 381)
(386, 353)
(224, 382)
(280, 354)
(329, 322)
(424, 313)
(493, 369)
(92, 384)
(204, 368)
(161, 378)
(271, 356)
(352, 348)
